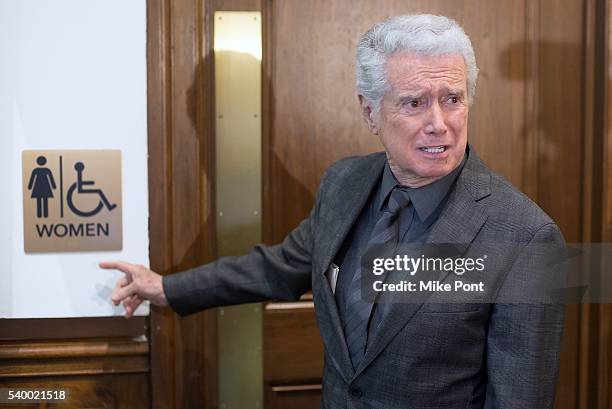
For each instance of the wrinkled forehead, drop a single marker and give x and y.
(407, 70)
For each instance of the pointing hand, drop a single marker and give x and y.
(138, 284)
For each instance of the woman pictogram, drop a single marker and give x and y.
(41, 184)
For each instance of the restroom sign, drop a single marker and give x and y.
(71, 200)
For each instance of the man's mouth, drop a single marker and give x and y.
(433, 149)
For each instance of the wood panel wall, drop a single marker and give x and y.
(291, 336)
(522, 122)
(603, 353)
(104, 362)
(181, 177)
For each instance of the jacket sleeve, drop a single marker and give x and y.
(524, 342)
(281, 272)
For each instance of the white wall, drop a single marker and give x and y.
(72, 76)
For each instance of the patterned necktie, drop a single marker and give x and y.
(358, 311)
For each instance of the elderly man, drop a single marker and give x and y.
(416, 79)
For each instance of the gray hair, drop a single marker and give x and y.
(424, 34)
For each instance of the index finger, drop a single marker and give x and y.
(118, 265)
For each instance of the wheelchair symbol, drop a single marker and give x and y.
(78, 186)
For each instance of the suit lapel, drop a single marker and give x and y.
(352, 197)
(459, 223)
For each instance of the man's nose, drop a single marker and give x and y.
(436, 124)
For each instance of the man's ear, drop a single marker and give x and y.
(368, 115)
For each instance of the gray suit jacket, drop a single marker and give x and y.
(423, 355)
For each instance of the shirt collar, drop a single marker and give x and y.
(425, 199)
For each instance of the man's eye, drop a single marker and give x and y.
(453, 99)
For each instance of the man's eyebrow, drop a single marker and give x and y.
(411, 96)
(455, 91)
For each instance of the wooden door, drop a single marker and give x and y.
(535, 121)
